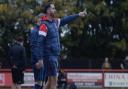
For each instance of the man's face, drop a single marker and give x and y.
(52, 10)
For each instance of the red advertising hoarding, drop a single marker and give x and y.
(5, 79)
(85, 79)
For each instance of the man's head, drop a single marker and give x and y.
(50, 9)
(20, 40)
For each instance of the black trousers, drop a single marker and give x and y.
(17, 75)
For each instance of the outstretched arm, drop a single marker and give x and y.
(68, 19)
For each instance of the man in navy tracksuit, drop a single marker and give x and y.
(38, 72)
(48, 43)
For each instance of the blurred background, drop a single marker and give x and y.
(85, 42)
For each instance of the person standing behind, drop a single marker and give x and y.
(62, 80)
(124, 64)
(17, 56)
(106, 64)
(39, 72)
(48, 46)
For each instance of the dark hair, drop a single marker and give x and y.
(20, 39)
(47, 6)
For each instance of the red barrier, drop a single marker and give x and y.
(6, 80)
(6, 77)
(113, 75)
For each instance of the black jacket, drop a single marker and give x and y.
(17, 56)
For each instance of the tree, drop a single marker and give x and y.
(104, 32)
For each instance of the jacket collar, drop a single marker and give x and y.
(45, 18)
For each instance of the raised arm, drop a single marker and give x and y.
(68, 19)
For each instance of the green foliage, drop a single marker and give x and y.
(106, 21)
(92, 36)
